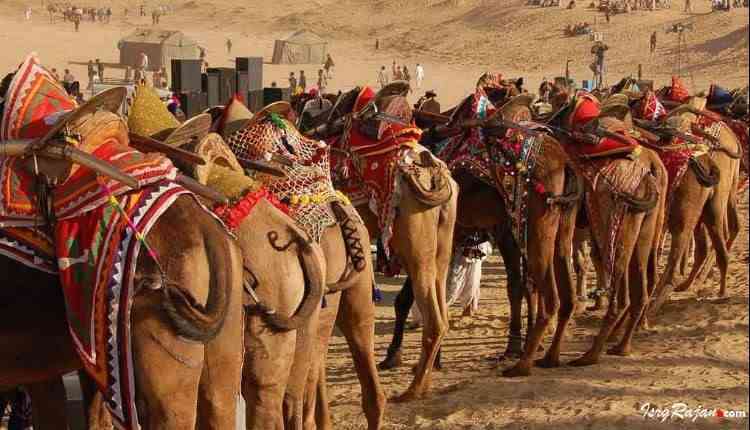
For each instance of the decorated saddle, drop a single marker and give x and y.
(84, 227)
(306, 188)
(372, 158)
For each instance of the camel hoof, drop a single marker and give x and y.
(408, 396)
(618, 350)
(547, 363)
(516, 371)
(391, 361)
(586, 360)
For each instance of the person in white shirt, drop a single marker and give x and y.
(419, 75)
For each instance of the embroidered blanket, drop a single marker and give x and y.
(605, 214)
(93, 249)
(367, 169)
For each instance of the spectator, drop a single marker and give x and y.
(292, 82)
(405, 75)
(77, 21)
(399, 76)
(229, 46)
(55, 74)
(688, 7)
(393, 70)
(377, 44)
(100, 69)
(606, 13)
(322, 81)
(328, 66)
(91, 70)
(419, 75)
(382, 77)
(653, 42)
(302, 81)
(68, 77)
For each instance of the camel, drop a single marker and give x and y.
(630, 267)
(706, 197)
(192, 324)
(550, 222)
(423, 224)
(188, 323)
(348, 273)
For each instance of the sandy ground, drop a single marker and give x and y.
(698, 350)
(696, 353)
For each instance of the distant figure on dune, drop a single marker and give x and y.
(688, 7)
(382, 77)
(292, 83)
(653, 42)
(328, 66)
(229, 46)
(377, 44)
(302, 81)
(419, 75)
(322, 81)
(405, 75)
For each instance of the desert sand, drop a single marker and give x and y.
(696, 352)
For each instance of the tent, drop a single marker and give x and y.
(161, 46)
(302, 47)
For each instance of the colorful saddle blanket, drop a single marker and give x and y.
(93, 249)
(365, 166)
(306, 188)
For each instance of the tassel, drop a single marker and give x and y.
(277, 121)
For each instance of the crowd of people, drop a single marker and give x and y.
(298, 83)
(401, 73)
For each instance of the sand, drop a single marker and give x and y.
(697, 351)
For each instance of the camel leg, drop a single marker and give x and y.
(220, 382)
(166, 400)
(322, 409)
(402, 305)
(615, 312)
(542, 231)
(264, 377)
(595, 256)
(718, 240)
(684, 262)
(580, 266)
(682, 233)
(733, 221)
(563, 267)
(701, 260)
(512, 262)
(356, 320)
(637, 281)
(317, 358)
(48, 404)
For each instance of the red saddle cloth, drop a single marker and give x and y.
(367, 168)
(93, 250)
(586, 108)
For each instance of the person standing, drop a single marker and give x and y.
(100, 69)
(328, 66)
(292, 83)
(91, 71)
(398, 76)
(377, 44)
(405, 75)
(302, 81)
(77, 21)
(419, 75)
(653, 42)
(393, 70)
(465, 277)
(229, 46)
(688, 7)
(322, 82)
(57, 75)
(382, 77)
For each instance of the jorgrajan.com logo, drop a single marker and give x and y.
(681, 411)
